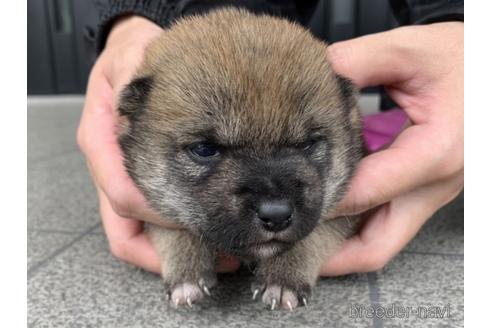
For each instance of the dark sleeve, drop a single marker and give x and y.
(165, 12)
(427, 11)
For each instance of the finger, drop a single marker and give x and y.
(127, 239)
(373, 59)
(122, 70)
(129, 242)
(151, 217)
(98, 140)
(390, 228)
(140, 215)
(411, 161)
(100, 144)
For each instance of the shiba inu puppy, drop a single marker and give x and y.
(237, 128)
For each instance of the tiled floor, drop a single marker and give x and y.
(73, 281)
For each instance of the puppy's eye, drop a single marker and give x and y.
(305, 146)
(204, 150)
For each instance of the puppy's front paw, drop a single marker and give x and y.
(278, 295)
(187, 266)
(190, 292)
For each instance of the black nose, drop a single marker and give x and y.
(275, 215)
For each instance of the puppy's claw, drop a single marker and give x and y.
(188, 301)
(274, 303)
(176, 302)
(289, 305)
(255, 293)
(304, 301)
(206, 290)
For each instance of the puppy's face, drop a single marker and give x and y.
(244, 137)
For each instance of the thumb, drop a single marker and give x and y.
(374, 59)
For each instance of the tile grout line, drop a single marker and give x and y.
(453, 255)
(66, 232)
(44, 159)
(374, 297)
(35, 268)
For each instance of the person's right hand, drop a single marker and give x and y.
(122, 205)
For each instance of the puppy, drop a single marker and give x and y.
(237, 128)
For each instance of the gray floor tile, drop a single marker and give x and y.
(444, 232)
(40, 245)
(60, 194)
(426, 281)
(85, 286)
(99, 231)
(51, 127)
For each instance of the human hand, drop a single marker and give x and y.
(399, 188)
(122, 205)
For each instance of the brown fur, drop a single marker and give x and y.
(261, 88)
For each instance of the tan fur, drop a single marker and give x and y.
(223, 49)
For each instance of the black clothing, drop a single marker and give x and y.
(165, 12)
(427, 11)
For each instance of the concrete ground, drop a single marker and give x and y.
(73, 280)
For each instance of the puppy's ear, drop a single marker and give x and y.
(348, 92)
(135, 95)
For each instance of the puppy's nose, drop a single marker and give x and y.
(275, 215)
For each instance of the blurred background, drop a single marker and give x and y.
(60, 34)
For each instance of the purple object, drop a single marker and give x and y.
(381, 129)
